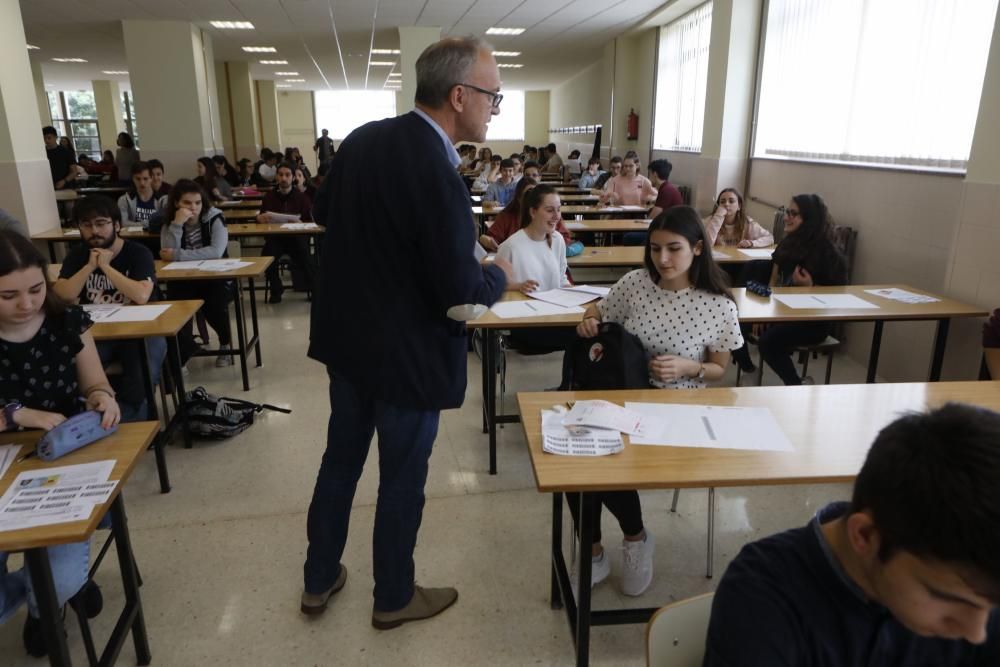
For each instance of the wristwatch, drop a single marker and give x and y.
(701, 371)
(8, 414)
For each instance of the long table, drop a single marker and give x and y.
(752, 309)
(831, 428)
(632, 256)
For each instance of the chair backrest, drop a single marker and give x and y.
(778, 225)
(845, 239)
(675, 635)
(685, 191)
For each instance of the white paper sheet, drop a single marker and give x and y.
(299, 225)
(903, 295)
(716, 255)
(283, 217)
(514, 309)
(55, 495)
(603, 414)
(575, 226)
(134, 228)
(590, 289)
(8, 454)
(823, 301)
(71, 232)
(564, 297)
(710, 426)
(219, 265)
(103, 313)
(757, 253)
(578, 440)
(634, 208)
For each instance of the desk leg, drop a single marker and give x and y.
(161, 457)
(241, 335)
(489, 366)
(873, 355)
(174, 351)
(940, 341)
(48, 605)
(484, 368)
(586, 531)
(130, 583)
(253, 320)
(555, 595)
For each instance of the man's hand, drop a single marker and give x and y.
(104, 257)
(488, 242)
(507, 268)
(93, 260)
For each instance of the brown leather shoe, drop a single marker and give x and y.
(426, 602)
(315, 603)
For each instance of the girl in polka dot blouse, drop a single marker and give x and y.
(680, 307)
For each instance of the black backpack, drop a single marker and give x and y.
(219, 417)
(614, 359)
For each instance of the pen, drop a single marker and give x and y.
(27, 456)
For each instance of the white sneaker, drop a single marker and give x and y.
(600, 569)
(637, 561)
(224, 360)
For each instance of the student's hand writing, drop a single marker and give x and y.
(588, 328)
(107, 406)
(167, 254)
(744, 244)
(488, 242)
(527, 287)
(30, 418)
(801, 277)
(670, 368)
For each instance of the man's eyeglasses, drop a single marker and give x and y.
(497, 97)
(96, 223)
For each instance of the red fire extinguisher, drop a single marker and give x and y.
(633, 125)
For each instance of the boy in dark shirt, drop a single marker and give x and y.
(60, 159)
(290, 200)
(907, 573)
(107, 269)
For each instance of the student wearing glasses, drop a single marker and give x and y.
(805, 257)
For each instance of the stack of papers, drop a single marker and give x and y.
(571, 296)
(577, 441)
(757, 253)
(299, 225)
(823, 301)
(103, 313)
(217, 265)
(283, 217)
(902, 295)
(55, 495)
(8, 453)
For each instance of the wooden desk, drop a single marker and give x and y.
(243, 202)
(620, 225)
(112, 191)
(577, 197)
(231, 214)
(632, 256)
(570, 211)
(752, 309)
(125, 447)
(258, 265)
(831, 427)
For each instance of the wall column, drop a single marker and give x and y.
(412, 42)
(45, 114)
(108, 99)
(270, 125)
(243, 111)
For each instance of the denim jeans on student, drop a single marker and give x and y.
(129, 385)
(70, 564)
(405, 439)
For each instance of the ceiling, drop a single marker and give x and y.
(327, 41)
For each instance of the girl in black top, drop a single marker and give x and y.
(805, 257)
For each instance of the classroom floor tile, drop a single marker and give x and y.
(222, 554)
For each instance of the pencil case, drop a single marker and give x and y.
(76, 432)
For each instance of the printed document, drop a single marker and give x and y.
(902, 295)
(577, 440)
(711, 426)
(823, 301)
(109, 313)
(519, 309)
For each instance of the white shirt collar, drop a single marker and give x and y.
(453, 156)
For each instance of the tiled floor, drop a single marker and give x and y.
(222, 554)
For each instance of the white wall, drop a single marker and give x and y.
(298, 123)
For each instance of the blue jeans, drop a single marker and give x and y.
(70, 564)
(405, 439)
(129, 385)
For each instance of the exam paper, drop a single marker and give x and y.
(206, 265)
(283, 217)
(108, 313)
(903, 295)
(55, 495)
(823, 301)
(564, 297)
(578, 440)
(514, 309)
(757, 253)
(8, 454)
(576, 226)
(71, 232)
(710, 426)
(589, 289)
(299, 225)
(603, 414)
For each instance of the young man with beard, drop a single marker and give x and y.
(107, 269)
(289, 200)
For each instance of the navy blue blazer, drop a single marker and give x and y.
(397, 253)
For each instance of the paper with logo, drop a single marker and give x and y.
(710, 426)
(577, 440)
(603, 414)
(55, 495)
(215, 265)
(902, 295)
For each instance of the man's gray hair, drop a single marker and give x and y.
(444, 64)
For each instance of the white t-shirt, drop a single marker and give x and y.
(684, 323)
(536, 260)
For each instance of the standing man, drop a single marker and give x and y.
(324, 148)
(397, 255)
(292, 201)
(60, 160)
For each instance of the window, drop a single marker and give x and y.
(681, 80)
(873, 81)
(509, 125)
(74, 115)
(341, 111)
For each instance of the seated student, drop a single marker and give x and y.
(667, 196)
(264, 172)
(484, 158)
(614, 169)
(225, 171)
(588, 179)
(466, 155)
(532, 171)
(574, 166)
(286, 199)
(518, 165)
(49, 345)
(160, 186)
(140, 203)
(680, 307)
(108, 164)
(501, 190)
(630, 188)
(805, 257)
(210, 181)
(991, 344)
(907, 573)
(553, 163)
(489, 174)
(508, 221)
(293, 155)
(305, 185)
(197, 231)
(729, 225)
(107, 269)
(245, 176)
(77, 177)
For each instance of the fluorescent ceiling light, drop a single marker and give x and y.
(511, 65)
(114, 71)
(287, 73)
(31, 46)
(385, 52)
(282, 85)
(394, 74)
(232, 25)
(382, 63)
(505, 31)
(260, 49)
(69, 60)
(507, 54)
(273, 62)
(295, 80)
